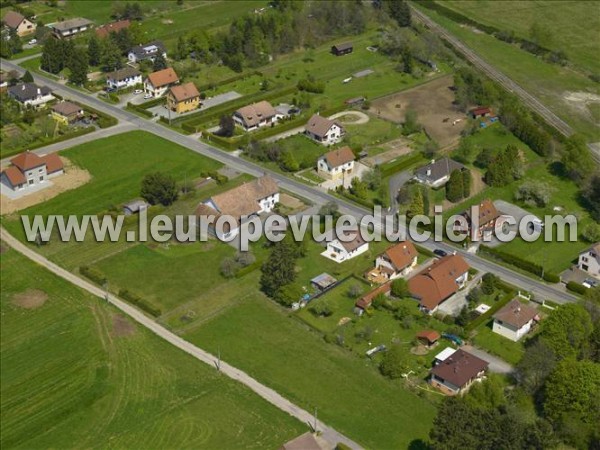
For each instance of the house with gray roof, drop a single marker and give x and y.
(70, 27)
(147, 52)
(437, 173)
(30, 94)
(324, 130)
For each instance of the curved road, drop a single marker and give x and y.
(533, 103)
(314, 194)
(265, 392)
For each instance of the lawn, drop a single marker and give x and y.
(376, 131)
(574, 25)
(76, 373)
(348, 394)
(509, 351)
(557, 87)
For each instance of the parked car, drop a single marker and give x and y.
(589, 283)
(439, 252)
(32, 42)
(147, 96)
(137, 91)
(109, 90)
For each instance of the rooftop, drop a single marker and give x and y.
(339, 157)
(459, 368)
(516, 314)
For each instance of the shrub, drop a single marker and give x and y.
(577, 288)
(93, 274)
(160, 188)
(140, 302)
(551, 277)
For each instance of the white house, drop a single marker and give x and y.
(19, 23)
(437, 173)
(239, 204)
(336, 164)
(123, 78)
(346, 247)
(158, 83)
(30, 94)
(397, 261)
(70, 27)
(514, 320)
(147, 52)
(324, 130)
(28, 169)
(257, 115)
(589, 261)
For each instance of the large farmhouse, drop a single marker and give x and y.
(256, 116)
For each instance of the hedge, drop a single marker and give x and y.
(576, 287)
(93, 274)
(247, 269)
(139, 109)
(551, 277)
(138, 301)
(43, 143)
(241, 76)
(401, 164)
(510, 294)
(151, 103)
(196, 119)
(516, 261)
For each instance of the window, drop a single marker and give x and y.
(30, 181)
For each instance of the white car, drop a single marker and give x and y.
(147, 96)
(33, 42)
(137, 91)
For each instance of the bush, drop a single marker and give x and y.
(138, 301)
(577, 288)
(160, 188)
(321, 308)
(311, 85)
(93, 274)
(551, 277)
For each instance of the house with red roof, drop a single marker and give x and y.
(336, 164)
(29, 169)
(397, 261)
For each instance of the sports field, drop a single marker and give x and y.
(76, 373)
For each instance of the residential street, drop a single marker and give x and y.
(329, 434)
(539, 289)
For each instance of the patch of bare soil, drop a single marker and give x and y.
(582, 102)
(289, 201)
(30, 299)
(122, 327)
(433, 103)
(71, 179)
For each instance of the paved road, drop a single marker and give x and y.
(121, 127)
(497, 365)
(330, 434)
(314, 194)
(533, 103)
(395, 183)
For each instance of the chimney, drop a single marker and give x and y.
(433, 161)
(39, 91)
(428, 172)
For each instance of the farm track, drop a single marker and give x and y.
(511, 86)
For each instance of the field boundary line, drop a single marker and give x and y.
(268, 394)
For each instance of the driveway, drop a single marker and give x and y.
(395, 184)
(359, 171)
(497, 365)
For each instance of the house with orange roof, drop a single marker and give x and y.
(478, 220)
(183, 98)
(336, 164)
(158, 83)
(29, 169)
(397, 261)
(439, 281)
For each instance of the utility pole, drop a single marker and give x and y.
(218, 361)
(315, 423)
(106, 290)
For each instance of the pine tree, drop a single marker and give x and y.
(160, 62)
(111, 57)
(466, 183)
(51, 60)
(454, 187)
(79, 67)
(400, 12)
(94, 51)
(279, 269)
(27, 77)
(181, 51)
(407, 60)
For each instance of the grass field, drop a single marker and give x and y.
(569, 94)
(348, 392)
(574, 25)
(75, 373)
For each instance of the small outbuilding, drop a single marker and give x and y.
(482, 111)
(342, 49)
(134, 207)
(323, 282)
(428, 337)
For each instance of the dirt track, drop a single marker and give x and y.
(433, 103)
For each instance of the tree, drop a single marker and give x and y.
(28, 116)
(591, 195)
(78, 67)
(489, 282)
(396, 361)
(466, 174)
(484, 158)
(160, 188)
(487, 395)
(330, 208)
(372, 178)
(321, 308)
(464, 152)
(181, 51)
(534, 193)
(122, 39)
(400, 288)
(417, 204)
(226, 126)
(229, 267)
(94, 51)
(288, 162)
(278, 270)
(591, 232)
(571, 396)
(110, 59)
(534, 367)
(455, 187)
(400, 12)
(407, 61)
(462, 319)
(411, 124)
(27, 77)
(576, 158)
(358, 188)
(567, 330)
(541, 35)
(160, 62)
(51, 60)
